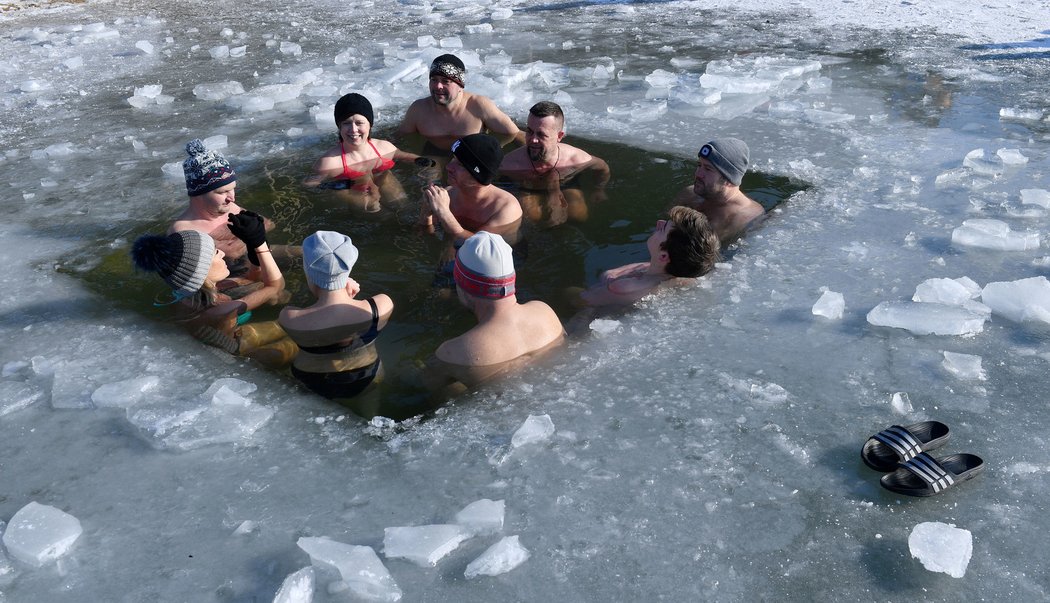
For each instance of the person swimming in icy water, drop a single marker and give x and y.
(336, 335)
(211, 184)
(715, 191)
(551, 174)
(359, 166)
(508, 336)
(684, 246)
(192, 266)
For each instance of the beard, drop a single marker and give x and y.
(539, 154)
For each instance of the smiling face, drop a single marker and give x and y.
(355, 130)
(217, 202)
(218, 269)
(542, 135)
(707, 180)
(443, 90)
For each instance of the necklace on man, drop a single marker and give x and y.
(554, 166)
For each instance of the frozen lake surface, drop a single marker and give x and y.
(705, 446)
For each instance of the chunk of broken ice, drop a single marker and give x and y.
(122, 394)
(963, 366)
(604, 326)
(926, 318)
(975, 160)
(1016, 113)
(900, 402)
(482, 516)
(536, 428)
(219, 52)
(40, 533)
(215, 91)
(830, 305)
(941, 547)
(359, 567)
(17, 395)
(291, 48)
(1035, 196)
(251, 103)
(298, 587)
(238, 51)
(145, 46)
(423, 545)
(993, 234)
(1011, 157)
(499, 558)
(943, 291)
(425, 41)
(149, 91)
(1020, 300)
(661, 79)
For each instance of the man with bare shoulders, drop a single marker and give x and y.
(549, 170)
(508, 335)
(211, 184)
(471, 202)
(716, 190)
(450, 112)
(682, 247)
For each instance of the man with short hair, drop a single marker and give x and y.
(450, 112)
(551, 173)
(683, 246)
(471, 202)
(716, 192)
(508, 335)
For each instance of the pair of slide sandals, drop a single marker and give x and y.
(902, 451)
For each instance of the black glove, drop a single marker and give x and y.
(248, 226)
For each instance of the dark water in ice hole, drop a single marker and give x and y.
(397, 259)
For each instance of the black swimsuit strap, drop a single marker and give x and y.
(366, 337)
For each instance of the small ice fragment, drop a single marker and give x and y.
(150, 91)
(217, 91)
(482, 516)
(244, 388)
(963, 366)
(1020, 300)
(451, 42)
(993, 234)
(219, 52)
(986, 167)
(144, 46)
(425, 41)
(33, 86)
(1016, 113)
(900, 402)
(122, 394)
(423, 545)
(17, 395)
(247, 527)
(74, 63)
(237, 52)
(1011, 156)
(830, 305)
(941, 547)
(291, 48)
(661, 79)
(40, 533)
(359, 566)
(942, 291)
(251, 103)
(605, 326)
(501, 14)
(298, 587)
(770, 393)
(536, 428)
(926, 318)
(1035, 196)
(216, 143)
(499, 558)
(479, 28)
(226, 396)
(139, 101)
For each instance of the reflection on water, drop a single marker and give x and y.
(571, 236)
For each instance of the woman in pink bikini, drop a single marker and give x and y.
(358, 168)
